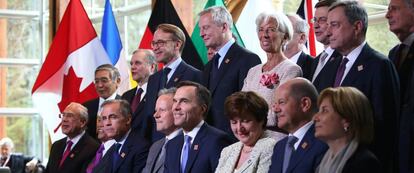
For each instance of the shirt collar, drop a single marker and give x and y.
(108, 145)
(300, 133)
(76, 139)
(329, 51)
(193, 133)
(144, 89)
(409, 40)
(295, 57)
(173, 65)
(101, 100)
(223, 50)
(173, 134)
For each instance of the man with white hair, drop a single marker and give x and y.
(17, 162)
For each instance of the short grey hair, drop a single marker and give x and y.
(219, 14)
(149, 55)
(113, 71)
(353, 12)
(124, 106)
(81, 110)
(6, 142)
(304, 88)
(283, 23)
(301, 26)
(167, 91)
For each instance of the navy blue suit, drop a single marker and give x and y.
(326, 75)
(133, 154)
(204, 153)
(233, 70)
(305, 159)
(406, 138)
(139, 122)
(93, 107)
(305, 62)
(182, 73)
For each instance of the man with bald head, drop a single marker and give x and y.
(295, 104)
(72, 153)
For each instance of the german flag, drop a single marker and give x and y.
(164, 12)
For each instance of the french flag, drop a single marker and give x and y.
(67, 74)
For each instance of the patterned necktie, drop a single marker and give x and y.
(98, 157)
(164, 77)
(136, 100)
(321, 63)
(289, 148)
(66, 153)
(340, 72)
(186, 152)
(115, 155)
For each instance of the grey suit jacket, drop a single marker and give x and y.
(259, 160)
(154, 151)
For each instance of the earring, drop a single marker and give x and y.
(346, 129)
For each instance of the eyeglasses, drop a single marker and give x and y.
(159, 43)
(67, 115)
(101, 80)
(321, 20)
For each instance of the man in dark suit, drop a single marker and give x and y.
(165, 124)
(130, 150)
(74, 152)
(295, 104)
(17, 162)
(107, 80)
(294, 48)
(142, 66)
(367, 70)
(198, 148)
(168, 44)
(225, 73)
(400, 17)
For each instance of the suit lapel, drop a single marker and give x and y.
(228, 60)
(155, 157)
(302, 149)
(196, 147)
(301, 60)
(252, 158)
(176, 77)
(75, 151)
(358, 67)
(124, 152)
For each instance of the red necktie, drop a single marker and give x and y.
(66, 153)
(136, 100)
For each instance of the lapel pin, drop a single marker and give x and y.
(304, 145)
(360, 67)
(176, 79)
(123, 155)
(195, 147)
(227, 61)
(72, 155)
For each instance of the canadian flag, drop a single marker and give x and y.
(67, 74)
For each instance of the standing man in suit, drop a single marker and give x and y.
(142, 66)
(165, 124)
(367, 70)
(294, 48)
(198, 148)
(130, 150)
(107, 80)
(295, 105)
(225, 73)
(168, 44)
(74, 152)
(17, 162)
(400, 17)
(328, 55)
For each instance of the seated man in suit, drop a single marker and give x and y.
(294, 48)
(300, 152)
(107, 80)
(225, 73)
(400, 17)
(165, 124)
(130, 150)
(17, 162)
(74, 152)
(367, 70)
(168, 44)
(198, 148)
(142, 66)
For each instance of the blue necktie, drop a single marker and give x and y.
(164, 77)
(115, 156)
(214, 69)
(186, 151)
(289, 148)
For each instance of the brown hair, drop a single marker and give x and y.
(177, 33)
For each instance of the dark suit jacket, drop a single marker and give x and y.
(139, 123)
(17, 162)
(362, 161)
(133, 153)
(305, 62)
(154, 151)
(305, 159)
(233, 70)
(406, 138)
(375, 75)
(204, 153)
(182, 73)
(328, 72)
(79, 157)
(93, 106)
